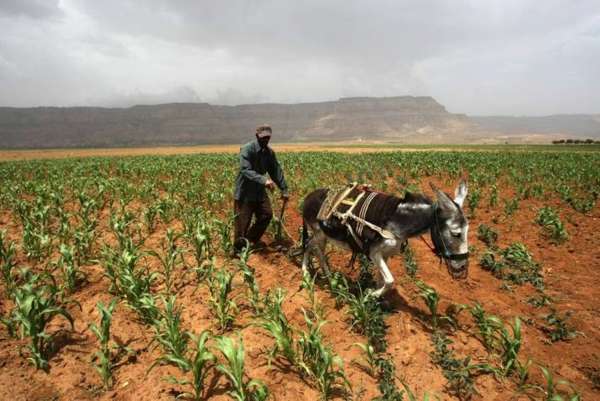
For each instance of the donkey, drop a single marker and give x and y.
(405, 217)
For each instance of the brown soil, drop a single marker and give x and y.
(572, 276)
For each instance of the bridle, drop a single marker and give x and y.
(438, 239)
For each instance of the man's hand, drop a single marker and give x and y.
(285, 196)
(270, 184)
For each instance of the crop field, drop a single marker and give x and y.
(117, 283)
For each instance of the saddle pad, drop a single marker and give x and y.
(333, 200)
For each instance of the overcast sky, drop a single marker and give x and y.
(476, 57)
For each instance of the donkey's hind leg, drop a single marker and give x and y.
(317, 244)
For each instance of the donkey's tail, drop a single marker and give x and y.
(304, 235)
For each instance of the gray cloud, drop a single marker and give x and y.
(38, 9)
(478, 57)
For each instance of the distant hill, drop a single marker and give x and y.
(404, 119)
(563, 125)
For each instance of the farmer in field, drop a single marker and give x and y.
(250, 197)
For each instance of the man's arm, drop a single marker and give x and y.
(246, 167)
(276, 174)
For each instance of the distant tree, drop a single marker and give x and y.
(569, 141)
(589, 141)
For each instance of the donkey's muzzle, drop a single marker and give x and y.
(458, 268)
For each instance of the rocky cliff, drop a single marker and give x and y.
(405, 119)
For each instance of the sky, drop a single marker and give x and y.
(479, 57)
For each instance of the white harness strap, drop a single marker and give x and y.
(363, 212)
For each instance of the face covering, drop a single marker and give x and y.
(263, 142)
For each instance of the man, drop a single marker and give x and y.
(250, 197)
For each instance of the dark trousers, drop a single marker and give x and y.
(244, 211)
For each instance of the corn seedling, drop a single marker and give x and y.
(551, 224)
(104, 365)
(224, 229)
(72, 275)
(7, 262)
(487, 235)
(558, 390)
(171, 257)
(274, 321)
(410, 263)
(488, 325)
(223, 306)
(510, 345)
(559, 329)
(367, 318)
(249, 278)
(459, 372)
(233, 368)
(168, 331)
(199, 363)
(318, 361)
(431, 298)
(35, 305)
(370, 358)
(387, 380)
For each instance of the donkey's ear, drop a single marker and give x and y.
(444, 201)
(460, 193)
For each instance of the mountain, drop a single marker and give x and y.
(563, 125)
(402, 119)
(405, 119)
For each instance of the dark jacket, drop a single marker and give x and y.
(255, 162)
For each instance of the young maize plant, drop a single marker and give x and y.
(199, 363)
(367, 318)
(553, 228)
(338, 285)
(171, 258)
(319, 362)
(224, 229)
(36, 303)
(72, 275)
(487, 235)
(510, 346)
(248, 273)
(134, 284)
(83, 240)
(224, 308)
(558, 390)
(493, 200)
(7, 262)
(488, 326)
(103, 356)
(169, 333)
(308, 283)
(473, 199)
(559, 329)
(199, 235)
(410, 263)
(274, 321)
(459, 372)
(233, 368)
(371, 358)
(149, 216)
(431, 298)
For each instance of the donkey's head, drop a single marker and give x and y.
(449, 230)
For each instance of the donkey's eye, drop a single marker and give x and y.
(456, 234)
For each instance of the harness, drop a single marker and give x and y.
(334, 199)
(439, 247)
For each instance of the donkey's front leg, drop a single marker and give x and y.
(386, 275)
